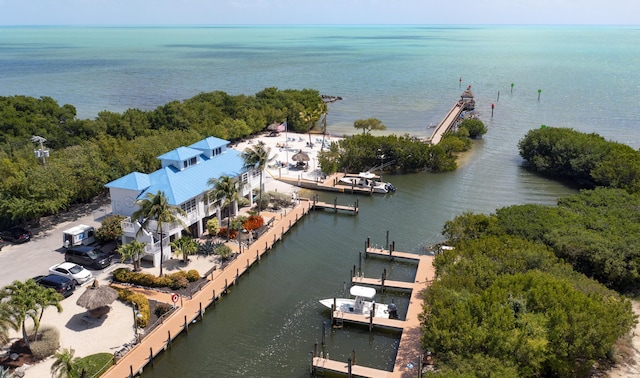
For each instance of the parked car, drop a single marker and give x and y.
(62, 285)
(16, 235)
(88, 256)
(75, 272)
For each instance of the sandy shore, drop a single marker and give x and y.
(284, 147)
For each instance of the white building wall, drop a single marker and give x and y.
(123, 201)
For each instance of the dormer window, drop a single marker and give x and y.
(190, 162)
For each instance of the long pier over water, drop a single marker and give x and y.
(449, 122)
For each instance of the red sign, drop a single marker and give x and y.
(174, 297)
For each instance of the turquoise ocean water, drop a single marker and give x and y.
(408, 77)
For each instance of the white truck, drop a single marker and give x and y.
(78, 235)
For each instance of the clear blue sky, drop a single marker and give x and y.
(287, 12)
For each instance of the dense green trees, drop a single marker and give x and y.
(596, 231)
(86, 154)
(360, 152)
(504, 301)
(514, 294)
(586, 159)
(474, 127)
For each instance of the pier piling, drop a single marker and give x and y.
(386, 246)
(384, 277)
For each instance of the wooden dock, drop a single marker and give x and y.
(391, 253)
(410, 355)
(329, 184)
(448, 123)
(322, 365)
(367, 320)
(190, 309)
(379, 282)
(318, 205)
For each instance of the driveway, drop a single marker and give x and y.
(33, 258)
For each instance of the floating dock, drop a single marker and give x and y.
(409, 358)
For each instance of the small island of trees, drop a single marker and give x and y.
(538, 290)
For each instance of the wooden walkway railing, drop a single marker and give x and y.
(446, 124)
(189, 310)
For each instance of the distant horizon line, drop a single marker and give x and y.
(310, 25)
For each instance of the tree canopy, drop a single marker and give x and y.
(585, 159)
(361, 152)
(369, 124)
(507, 303)
(86, 154)
(596, 231)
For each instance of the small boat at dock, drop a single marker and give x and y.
(368, 180)
(362, 303)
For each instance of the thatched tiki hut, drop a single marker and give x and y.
(466, 99)
(96, 299)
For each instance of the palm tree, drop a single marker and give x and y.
(21, 301)
(225, 189)
(6, 322)
(157, 207)
(65, 365)
(45, 297)
(258, 157)
(311, 116)
(185, 246)
(133, 251)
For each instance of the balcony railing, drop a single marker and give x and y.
(154, 248)
(129, 227)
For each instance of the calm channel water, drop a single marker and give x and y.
(270, 321)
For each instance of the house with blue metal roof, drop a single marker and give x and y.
(183, 178)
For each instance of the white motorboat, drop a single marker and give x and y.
(367, 180)
(362, 303)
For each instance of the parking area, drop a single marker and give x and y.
(33, 258)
